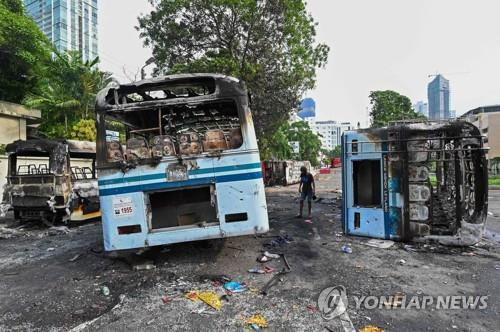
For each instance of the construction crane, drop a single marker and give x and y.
(448, 74)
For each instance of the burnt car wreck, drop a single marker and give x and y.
(416, 181)
(42, 184)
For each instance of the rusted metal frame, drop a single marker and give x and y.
(405, 213)
(420, 139)
(416, 151)
(458, 198)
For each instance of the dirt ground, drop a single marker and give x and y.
(55, 279)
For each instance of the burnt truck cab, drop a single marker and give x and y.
(42, 184)
(410, 181)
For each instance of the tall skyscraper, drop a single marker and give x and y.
(422, 108)
(69, 24)
(438, 93)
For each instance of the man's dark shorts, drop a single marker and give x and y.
(308, 195)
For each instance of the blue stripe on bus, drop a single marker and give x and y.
(178, 184)
(158, 176)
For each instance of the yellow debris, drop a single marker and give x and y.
(257, 319)
(371, 328)
(211, 299)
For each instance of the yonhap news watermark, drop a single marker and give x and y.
(334, 301)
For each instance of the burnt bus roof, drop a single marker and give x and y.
(117, 97)
(455, 127)
(44, 147)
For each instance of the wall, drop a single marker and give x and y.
(493, 135)
(12, 129)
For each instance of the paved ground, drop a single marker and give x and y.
(53, 280)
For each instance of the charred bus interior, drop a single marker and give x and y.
(161, 121)
(428, 179)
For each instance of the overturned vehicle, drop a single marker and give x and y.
(51, 181)
(420, 181)
(178, 161)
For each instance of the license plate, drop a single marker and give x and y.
(123, 206)
(177, 173)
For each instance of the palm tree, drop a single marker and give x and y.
(68, 92)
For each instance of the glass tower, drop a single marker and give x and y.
(69, 24)
(438, 92)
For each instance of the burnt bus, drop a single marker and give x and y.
(44, 185)
(185, 165)
(415, 181)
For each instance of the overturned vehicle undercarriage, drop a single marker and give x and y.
(416, 181)
(46, 183)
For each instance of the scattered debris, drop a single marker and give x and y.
(235, 287)
(312, 308)
(270, 255)
(371, 328)
(263, 259)
(51, 249)
(54, 230)
(74, 258)
(193, 296)
(258, 320)
(309, 221)
(378, 243)
(264, 269)
(211, 299)
(222, 278)
(105, 290)
(286, 262)
(6, 233)
(274, 280)
(165, 299)
(410, 248)
(497, 267)
(402, 262)
(144, 266)
(280, 241)
(347, 249)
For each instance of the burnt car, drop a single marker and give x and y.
(415, 181)
(46, 183)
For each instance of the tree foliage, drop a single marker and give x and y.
(270, 44)
(84, 130)
(66, 95)
(390, 106)
(23, 52)
(278, 146)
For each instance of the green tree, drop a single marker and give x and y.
(309, 142)
(390, 106)
(67, 94)
(270, 44)
(278, 146)
(84, 130)
(23, 52)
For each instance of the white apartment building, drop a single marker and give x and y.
(330, 131)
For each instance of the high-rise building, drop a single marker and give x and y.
(422, 108)
(438, 93)
(69, 24)
(330, 132)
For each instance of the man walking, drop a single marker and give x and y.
(306, 190)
